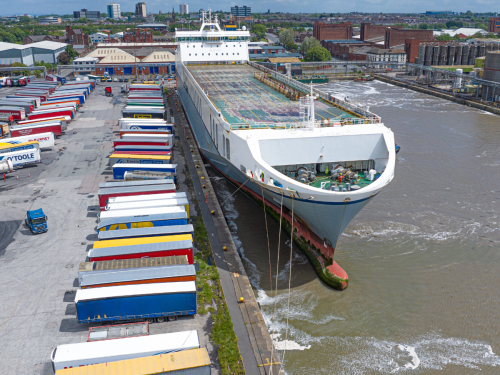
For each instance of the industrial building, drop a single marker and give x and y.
(183, 9)
(243, 11)
(121, 63)
(491, 73)
(451, 53)
(386, 55)
(494, 25)
(85, 64)
(324, 31)
(140, 9)
(49, 20)
(88, 14)
(114, 10)
(28, 54)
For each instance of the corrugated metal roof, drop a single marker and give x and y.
(158, 364)
(46, 44)
(145, 232)
(140, 248)
(135, 274)
(134, 290)
(132, 263)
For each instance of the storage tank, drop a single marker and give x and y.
(451, 55)
(491, 73)
(435, 55)
(458, 55)
(421, 54)
(458, 80)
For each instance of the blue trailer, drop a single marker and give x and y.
(58, 98)
(142, 148)
(143, 221)
(139, 126)
(148, 302)
(120, 169)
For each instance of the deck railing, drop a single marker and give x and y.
(367, 116)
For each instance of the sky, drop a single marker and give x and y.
(386, 6)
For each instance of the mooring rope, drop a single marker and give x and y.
(289, 288)
(268, 246)
(277, 273)
(234, 192)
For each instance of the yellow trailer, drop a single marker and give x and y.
(141, 241)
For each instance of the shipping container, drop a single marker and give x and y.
(138, 159)
(120, 169)
(114, 184)
(45, 140)
(148, 250)
(187, 362)
(105, 215)
(135, 276)
(30, 129)
(18, 113)
(129, 190)
(20, 158)
(34, 101)
(182, 202)
(109, 265)
(91, 353)
(169, 230)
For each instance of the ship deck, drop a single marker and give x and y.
(244, 100)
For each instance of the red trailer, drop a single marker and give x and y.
(43, 97)
(18, 131)
(148, 250)
(63, 112)
(145, 152)
(106, 193)
(142, 142)
(17, 113)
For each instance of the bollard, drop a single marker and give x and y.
(242, 300)
(197, 166)
(224, 248)
(203, 186)
(29, 175)
(212, 212)
(202, 177)
(17, 177)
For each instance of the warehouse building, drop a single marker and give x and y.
(121, 63)
(28, 54)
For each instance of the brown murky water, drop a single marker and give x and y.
(423, 257)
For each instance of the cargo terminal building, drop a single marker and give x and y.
(28, 54)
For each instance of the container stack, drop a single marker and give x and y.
(37, 113)
(141, 268)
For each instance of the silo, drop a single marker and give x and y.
(421, 54)
(442, 55)
(472, 55)
(465, 54)
(482, 51)
(435, 55)
(451, 55)
(491, 73)
(458, 55)
(428, 55)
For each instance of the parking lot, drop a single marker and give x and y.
(38, 273)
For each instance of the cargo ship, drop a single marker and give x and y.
(299, 152)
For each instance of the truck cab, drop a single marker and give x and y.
(36, 221)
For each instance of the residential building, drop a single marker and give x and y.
(85, 13)
(49, 20)
(138, 36)
(140, 9)
(114, 10)
(243, 11)
(386, 55)
(85, 64)
(37, 38)
(98, 37)
(183, 9)
(324, 31)
(494, 25)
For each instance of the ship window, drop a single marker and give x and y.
(208, 54)
(196, 54)
(233, 53)
(238, 53)
(216, 54)
(187, 46)
(189, 54)
(228, 152)
(203, 54)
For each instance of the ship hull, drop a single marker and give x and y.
(317, 226)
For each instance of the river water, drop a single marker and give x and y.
(422, 258)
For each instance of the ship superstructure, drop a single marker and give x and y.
(322, 157)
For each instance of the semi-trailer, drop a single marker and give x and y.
(138, 113)
(165, 137)
(30, 129)
(143, 221)
(45, 140)
(135, 276)
(170, 230)
(146, 127)
(127, 148)
(7, 147)
(170, 170)
(150, 132)
(143, 204)
(114, 184)
(17, 113)
(90, 353)
(141, 241)
(33, 100)
(62, 120)
(110, 265)
(28, 107)
(110, 214)
(136, 302)
(128, 190)
(53, 112)
(140, 159)
(137, 198)
(149, 250)
(24, 157)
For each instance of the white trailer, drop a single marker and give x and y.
(94, 352)
(23, 157)
(139, 212)
(44, 139)
(149, 197)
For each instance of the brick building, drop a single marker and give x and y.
(37, 38)
(369, 31)
(324, 31)
(76, 38)
(138, 36)
(411, 49)
(397, 37)
(345, 49)
(494, 25)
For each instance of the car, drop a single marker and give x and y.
(109, 79)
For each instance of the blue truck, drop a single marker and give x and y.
(147, 302)
(36, 220)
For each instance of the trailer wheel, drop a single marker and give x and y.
(160, 319)
(150, 320)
